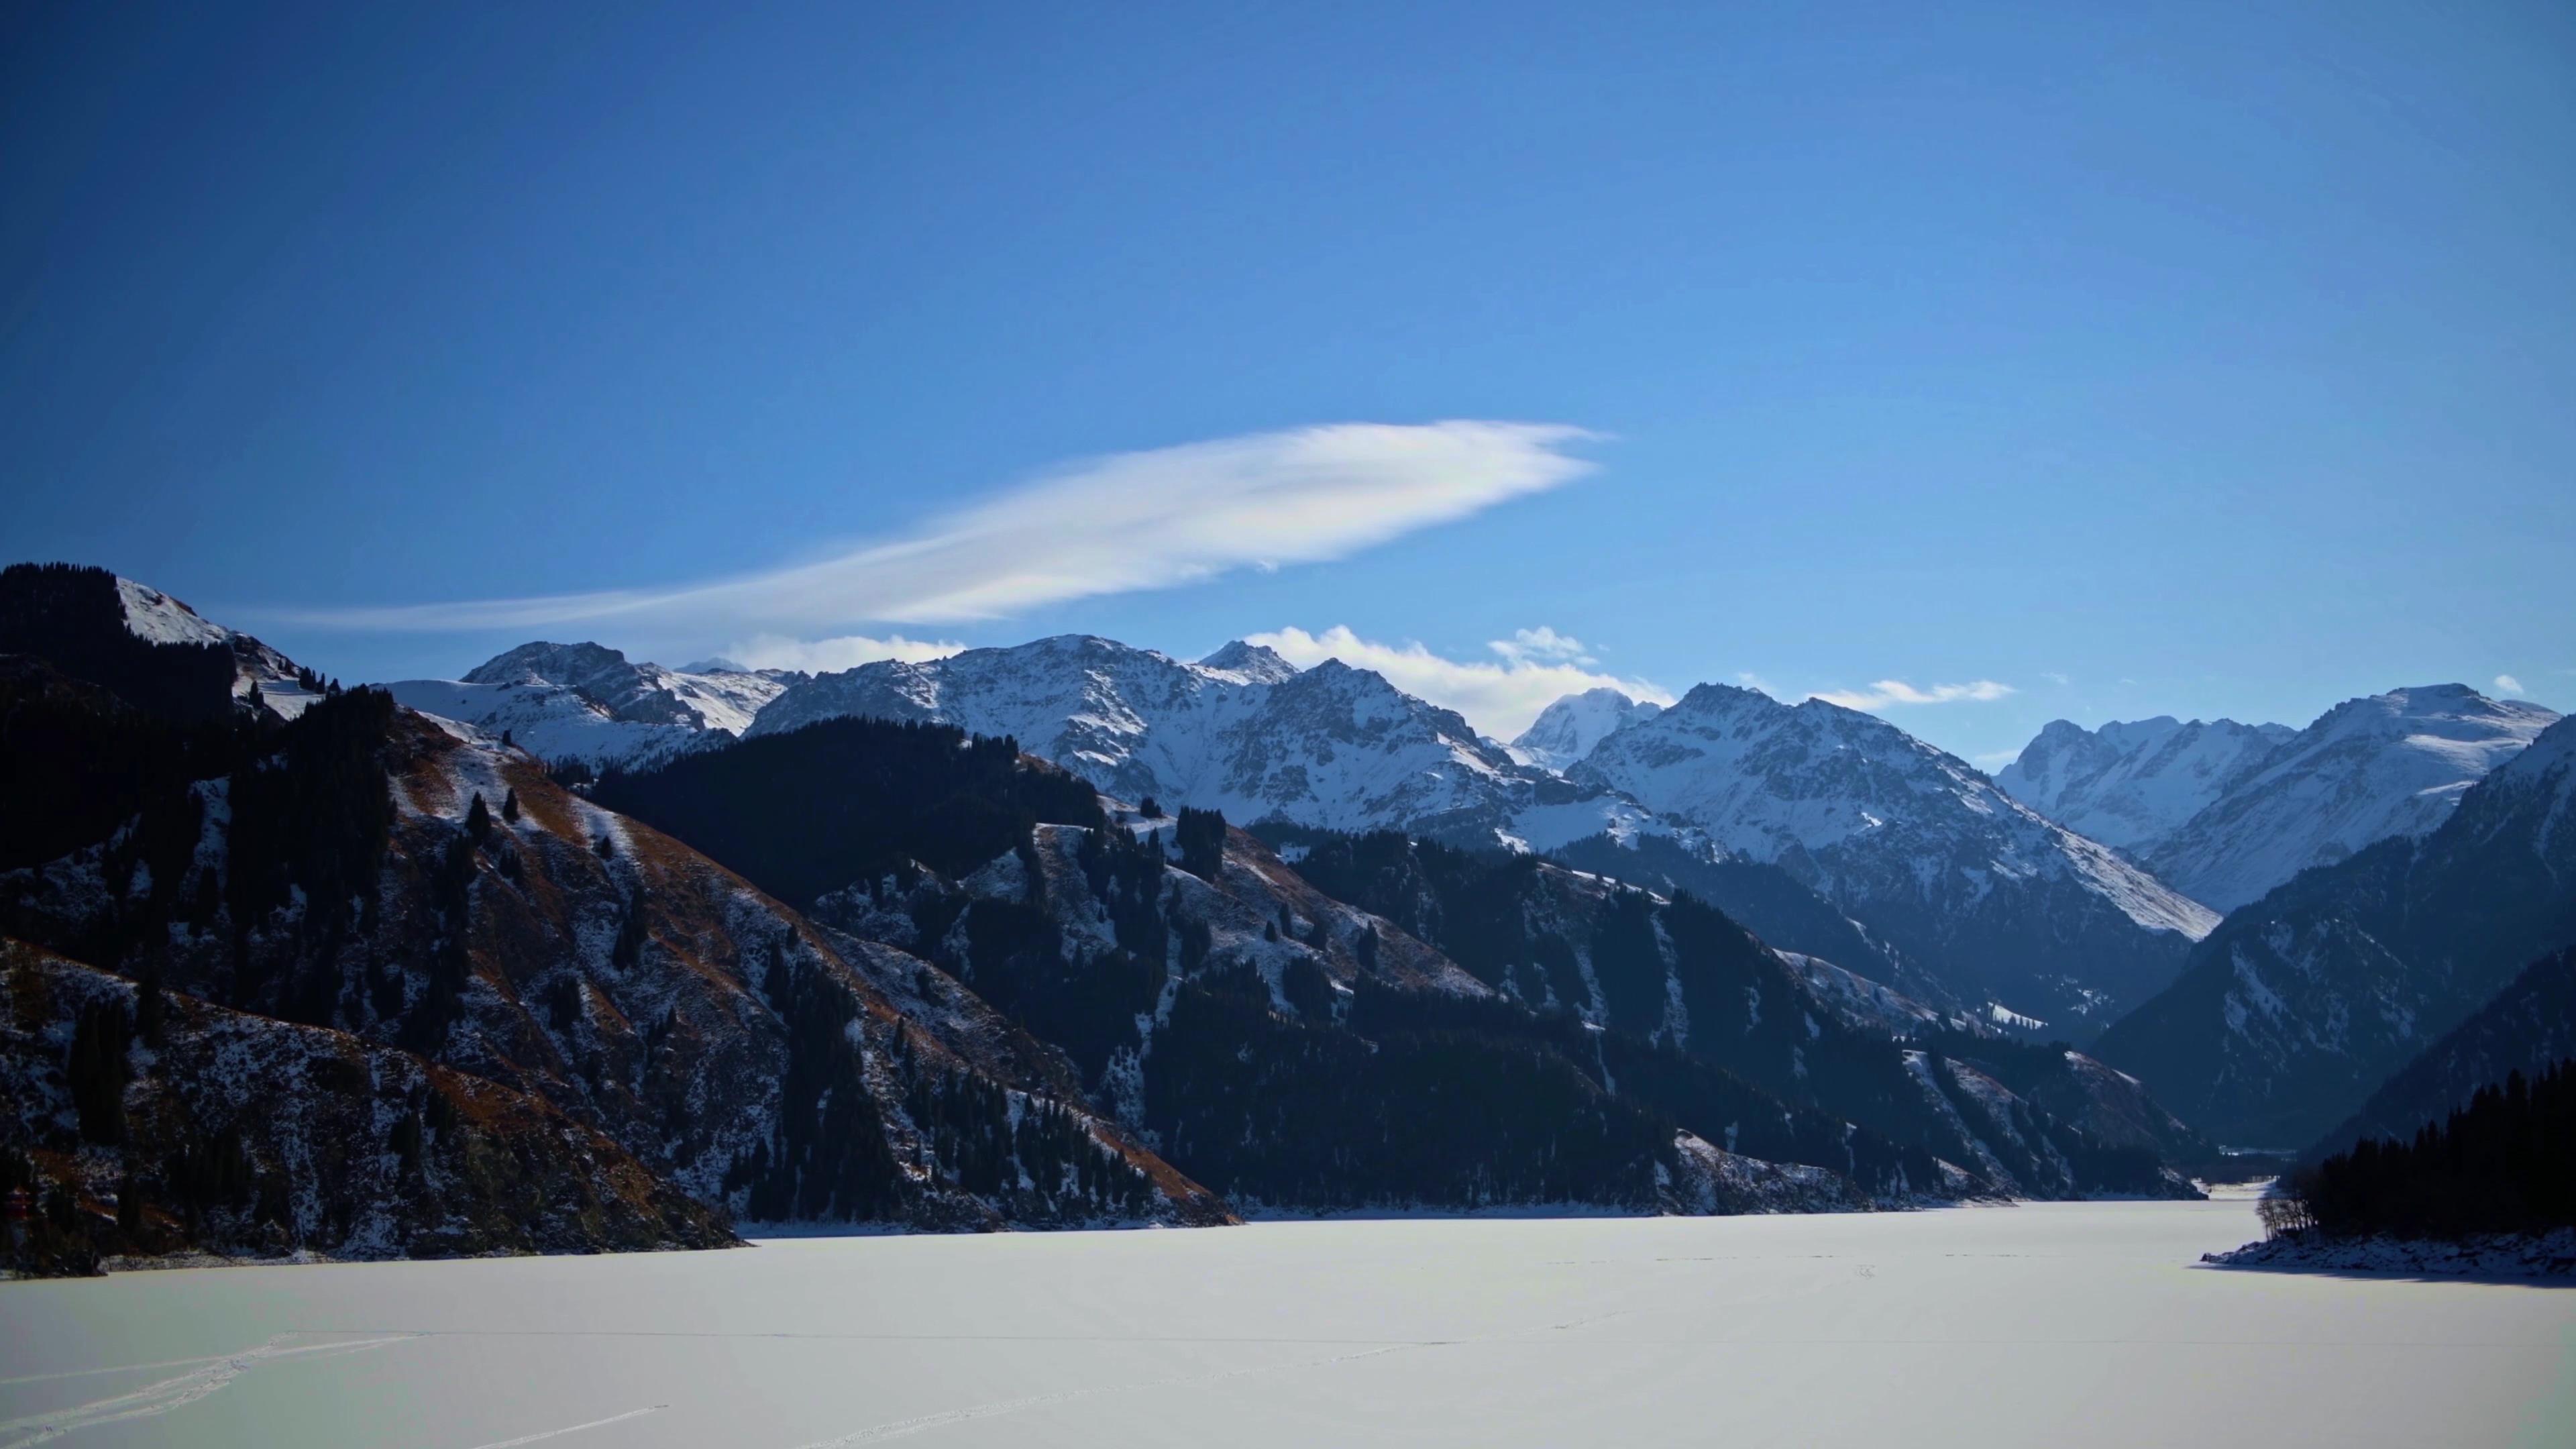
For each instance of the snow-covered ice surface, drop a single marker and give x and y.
(2039, 1325)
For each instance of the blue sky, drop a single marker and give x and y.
(2209, 361)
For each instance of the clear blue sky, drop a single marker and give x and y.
(2226, 350)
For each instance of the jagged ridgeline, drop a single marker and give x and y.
(360, 885)
(1292, 1049)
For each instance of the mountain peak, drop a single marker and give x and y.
(1258, 663)
(1566, 731)
(552, 663)
(2130, 784)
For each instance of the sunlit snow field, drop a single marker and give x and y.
(2066, 1324)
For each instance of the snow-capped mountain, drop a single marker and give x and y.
(2301, 1003)
(2387, 764)
(1999, 902)
(1242, 731)
(587, 702)
(2132, 784)
(1566, 731)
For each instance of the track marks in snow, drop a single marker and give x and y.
(211, 1376)
(574, 1428)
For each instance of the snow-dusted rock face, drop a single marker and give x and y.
(1916, 844)
(427, 891)
(1566, 731)
(587, 702)
(302, 1139)
(2132, 784)
(2302, 1003)
(1241, 731)
(2387, 764)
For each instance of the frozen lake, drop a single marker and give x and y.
(2067, 1324)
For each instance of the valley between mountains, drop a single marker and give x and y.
(577, 953)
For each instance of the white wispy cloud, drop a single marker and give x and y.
(849, 651)
(1993, 760)
(1888, 692)
(1498, 699)
(2053, 677)
(1109, 525)
(2507, 684)
(1541, 644)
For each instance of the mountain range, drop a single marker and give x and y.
(2300, 1004)
(414, 995)
(1075, 932)
(2226, 811)
(1999, 903)
(586, 702)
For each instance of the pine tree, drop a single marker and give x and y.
(510, 806)
(129, 1208)
(99, 1072)
(151, 1009)
(478, 819)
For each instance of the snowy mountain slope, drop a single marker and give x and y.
(1566, 731)
(143, 645)
(587, 702)
(262, 677)
(2132, 784)
(640, 693)
(2302, 1003)
(1242, 731)
(2370, 768)
(1981, 892)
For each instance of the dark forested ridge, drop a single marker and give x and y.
(814, 809)
(74, 617)
(2505, 1163)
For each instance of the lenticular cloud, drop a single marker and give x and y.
(1106, 525)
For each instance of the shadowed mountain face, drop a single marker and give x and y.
(2527, 1027)
(2300, 1004)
